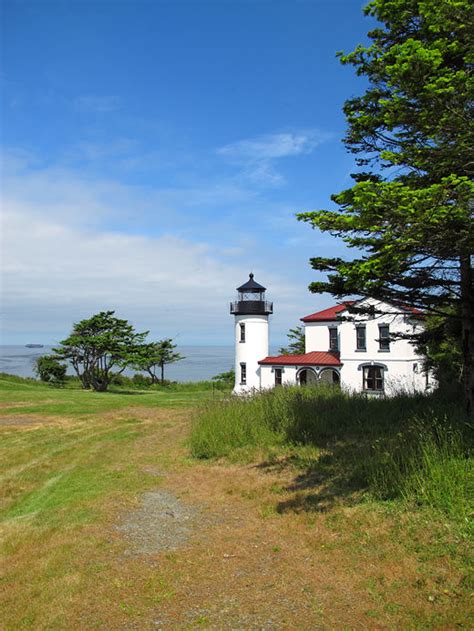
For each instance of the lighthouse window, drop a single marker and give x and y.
(243, 374)
(242, 332)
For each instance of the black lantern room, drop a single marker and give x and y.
(251, 300)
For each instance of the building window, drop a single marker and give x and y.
(373, 378)
(278, 376)
(242, 332)
(333, 345)
(243, 374)
(384, 337)
(361, 344)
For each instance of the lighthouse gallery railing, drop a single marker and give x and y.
(247, 307)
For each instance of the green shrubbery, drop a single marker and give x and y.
(414, 447)
(141, 382)
(138, 381)
(51, 370)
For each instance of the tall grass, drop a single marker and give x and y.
(413, 446)
(427, 464)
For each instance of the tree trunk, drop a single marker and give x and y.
(162, 366)
(152, 375)
(467, 341)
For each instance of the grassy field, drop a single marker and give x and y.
(285, 536)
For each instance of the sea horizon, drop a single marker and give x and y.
(201, 362)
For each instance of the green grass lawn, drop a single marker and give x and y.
(289, 518)
(68, 459)
(28, 396)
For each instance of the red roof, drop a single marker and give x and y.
(328, 314)
(414, 310)
(331, 314)
(316, 358)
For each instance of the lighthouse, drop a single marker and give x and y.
(250, 312)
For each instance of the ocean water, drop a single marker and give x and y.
(200, 363)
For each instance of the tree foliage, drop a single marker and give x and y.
(151, 357)
(225, 378)
(409, 212)
(51, 370)
(296, 345)
(440, 343)
(99, 345)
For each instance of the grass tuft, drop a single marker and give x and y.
(411, 447)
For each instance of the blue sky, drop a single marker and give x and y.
(156, 152)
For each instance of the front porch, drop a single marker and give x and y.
(317, 367)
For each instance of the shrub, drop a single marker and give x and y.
(117, 379)
(51, 370)
(226, 379)
(141, 381)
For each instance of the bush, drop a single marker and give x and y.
(117, 379)
(51, 370)
(226, 379)
(141, 381)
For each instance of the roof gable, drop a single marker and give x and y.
(334, 313)
(328, 315)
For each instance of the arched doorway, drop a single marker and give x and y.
(330, 376)
(307, 377)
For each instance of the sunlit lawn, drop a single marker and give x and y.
(31, 397)
(72, 462)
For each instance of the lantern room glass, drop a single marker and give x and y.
(251, 295)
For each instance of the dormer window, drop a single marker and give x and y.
(361, 343)
(384, 337)
(333, 342)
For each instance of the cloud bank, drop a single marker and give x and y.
(63, 260)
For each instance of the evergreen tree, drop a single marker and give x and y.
(154, 356)
(409, 212)
(296, 341)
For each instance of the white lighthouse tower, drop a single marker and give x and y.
(251, 312)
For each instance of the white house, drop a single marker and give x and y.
(362, 354)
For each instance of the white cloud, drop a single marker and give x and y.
(61, 262)
(258, 155)
(271, 146)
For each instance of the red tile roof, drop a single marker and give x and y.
(316, 358)
(328, 315)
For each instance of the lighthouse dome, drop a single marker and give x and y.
(251, 299)
(251, 286)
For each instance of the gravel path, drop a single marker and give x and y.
(163, 522)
